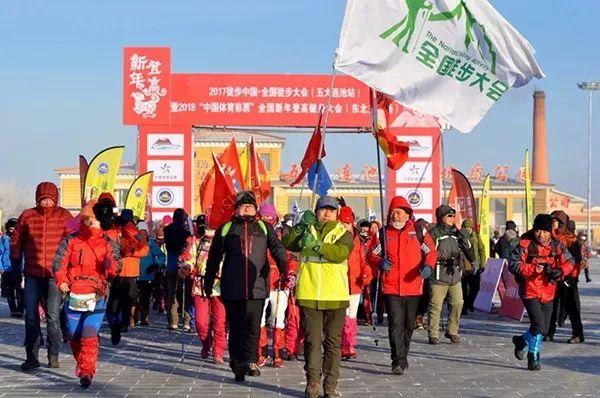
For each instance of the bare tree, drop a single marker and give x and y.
(14, 199)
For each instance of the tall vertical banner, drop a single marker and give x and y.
(461, 198)
(528, 197)
(83, 168)
(102, 172)
(147, 85)
(136, 196)
(168, 151)
(484, 216)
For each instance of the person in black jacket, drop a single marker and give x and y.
(242, 245)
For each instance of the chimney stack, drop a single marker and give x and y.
(540, 156)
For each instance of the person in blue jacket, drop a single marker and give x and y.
(12, 272)
(149, 265)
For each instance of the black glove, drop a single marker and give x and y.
(553, 274)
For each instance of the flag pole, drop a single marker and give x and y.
(383, 221)
(302, 185)
(322, 143)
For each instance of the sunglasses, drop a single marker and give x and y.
(450, 215)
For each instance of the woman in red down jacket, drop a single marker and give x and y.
(83, 265)
(359, 275)
(538, 263)
(405, 265)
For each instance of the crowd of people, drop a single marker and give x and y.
(271, 289)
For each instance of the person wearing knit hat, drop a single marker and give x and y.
(454, 251)
(538, 263)
(404, 265)
(85, 262)
(240, 250)
(323, 245)
(280, 285)
(36, 238)
(359, 276)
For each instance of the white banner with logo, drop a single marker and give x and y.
(166, 170)
(165, 144)
(167, 197)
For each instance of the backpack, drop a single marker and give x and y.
(227, 227)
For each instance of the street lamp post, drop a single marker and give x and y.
(589, 86)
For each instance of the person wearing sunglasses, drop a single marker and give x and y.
(454, 252)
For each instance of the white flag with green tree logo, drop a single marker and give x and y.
(452, 59)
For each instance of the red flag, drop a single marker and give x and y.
(461, 199)
(230, 163)
(223, 205)
(259, 181)
(312, 151)
(395, 151)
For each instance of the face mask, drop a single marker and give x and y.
(398, 225)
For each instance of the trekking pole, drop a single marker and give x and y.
(183, 320)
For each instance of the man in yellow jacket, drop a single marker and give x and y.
(322, 291)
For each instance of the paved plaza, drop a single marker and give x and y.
(148, 363)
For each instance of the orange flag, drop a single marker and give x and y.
(395, 151)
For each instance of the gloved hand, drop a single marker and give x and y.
(290, 282)
(308, 218)
(553, 274)
(385, 265)
(425, 271)
(309, 241)
(183, 270)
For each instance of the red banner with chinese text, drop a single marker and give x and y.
(461, 199)
(267, 100)
(146, 85)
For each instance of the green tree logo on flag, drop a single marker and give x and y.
(405, 29)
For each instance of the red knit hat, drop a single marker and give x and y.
(346, 215)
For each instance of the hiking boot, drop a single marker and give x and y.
(253, 370)
(218, 360)
(172, 327)
(332, 393)
(533, 363)
(576, 340)
(262, 361)
(115, 334)
(204, 353)
(549, 337)
(290, 357)
(434, 341)
(313, 389)
(520, 346)
(53, 362)
(397, 370)
(278, 362)
(419, 322)
(454, 338)
(85, 381)
(30, 364)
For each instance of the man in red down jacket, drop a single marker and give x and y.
(37, 235)
(407, 264)
(359, 276)
(539, 262)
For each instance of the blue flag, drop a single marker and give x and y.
(324, 182)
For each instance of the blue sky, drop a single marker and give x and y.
(61, 76)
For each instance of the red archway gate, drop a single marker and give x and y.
(166, 105)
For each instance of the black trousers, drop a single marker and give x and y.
(243, 317)
(14, 292)
(402, 312)
(423, 305)
(539, 315)
(123, 295)
(571, 306)
(470, 287)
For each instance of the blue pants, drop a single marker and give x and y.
(85, 324)
(36, 290)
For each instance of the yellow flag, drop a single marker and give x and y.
(102, 172)
(484, 216)
(245, 164)
(528, 197)
(136, 197)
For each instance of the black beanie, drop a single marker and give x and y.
(543, 222)
(245, 198)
